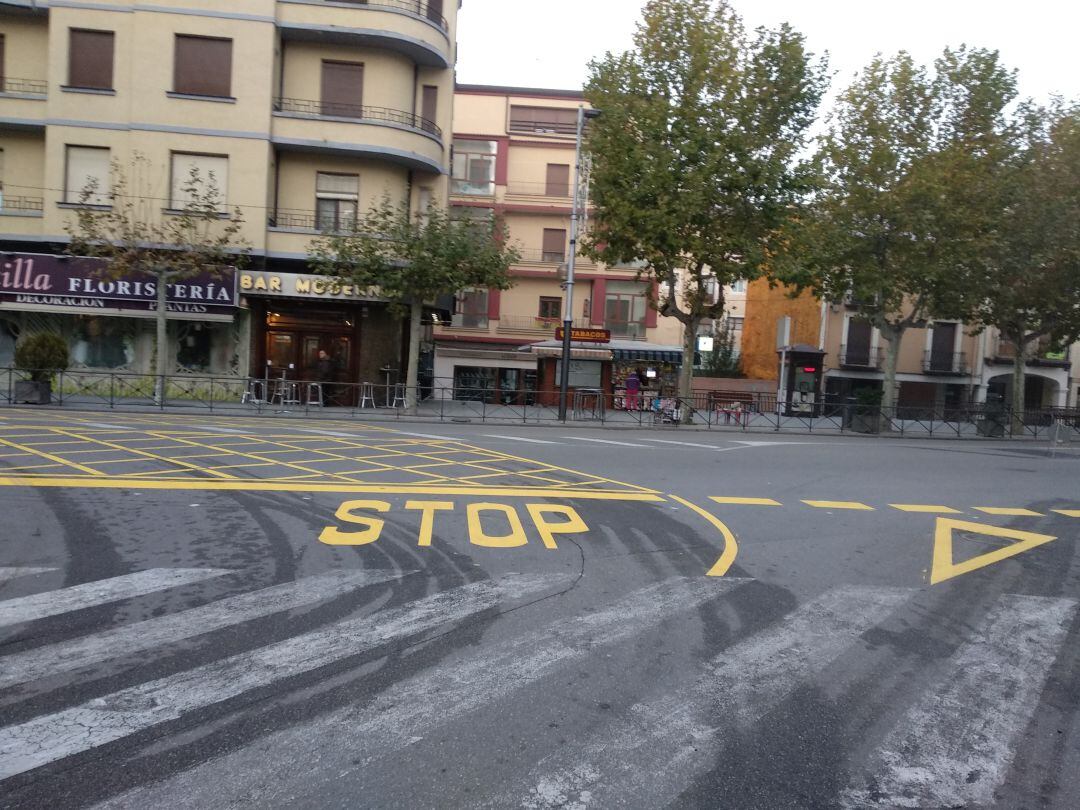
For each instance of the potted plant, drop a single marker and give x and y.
(867, 415)
(42, 356)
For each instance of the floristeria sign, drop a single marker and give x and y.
(585, 335)
(44, 281)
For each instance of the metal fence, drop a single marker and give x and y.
(441, 400)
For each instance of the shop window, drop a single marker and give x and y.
(474, 383)
(102, 342)
(336, 197)
(212, 170)
(90, 59)
(202, 66)
(87, 175)
(194, 347)
(550, 309)
(474, 168)
(471, 309)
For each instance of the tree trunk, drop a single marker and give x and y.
(162, 316)
(686, 372)
(893, 337)
(412, 373)
(1019, 367)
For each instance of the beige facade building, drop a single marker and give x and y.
(306, 111)
(514, 158)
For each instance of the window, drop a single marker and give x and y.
(734, 324)
(202, 66)
(429, 110)
(550, 309)
(336, 197)
(558, 180)
(102, 342)
(471, 309)
(474, 168)
(543, 120)
(738, 286)
(342, 89)
(87, 171)
(625, 307)
(90, 59)
(211, 170)
(434, 11)
(554, 249)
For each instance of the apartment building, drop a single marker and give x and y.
(940, 366)
(306, 112)
(513, 157)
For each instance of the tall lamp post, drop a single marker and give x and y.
(568, 304)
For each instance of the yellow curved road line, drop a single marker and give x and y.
(731, 547)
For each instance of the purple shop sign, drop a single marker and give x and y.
(43, 279)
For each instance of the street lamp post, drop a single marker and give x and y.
(568, 285)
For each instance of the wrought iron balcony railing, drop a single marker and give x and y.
(431, 11)
(298, 219)
(944, 363)
(21, 204)
(357, 112)
(36, 87)
(862, 357)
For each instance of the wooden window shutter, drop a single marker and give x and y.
(554, 244)
(429, 110)
(203, 66)
(558, 180)
(90, 59)
(342, 89)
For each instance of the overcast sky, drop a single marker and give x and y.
(513, 42)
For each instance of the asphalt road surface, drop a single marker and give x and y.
(260, 613)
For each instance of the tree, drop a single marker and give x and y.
(135, 239)
(695, 168)
(904, 169)
(1027, 282)
(413, 258)
(723, 360)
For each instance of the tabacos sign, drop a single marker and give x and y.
(38, 279)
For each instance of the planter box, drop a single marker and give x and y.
(32, 393)
(866, 423)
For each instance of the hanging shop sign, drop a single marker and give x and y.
(585, 335)
(62, 283)
(302, 285)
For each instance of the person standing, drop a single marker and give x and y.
(633, 390)
(324, 373)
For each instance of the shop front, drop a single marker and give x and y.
(308, 327)
(109, 323)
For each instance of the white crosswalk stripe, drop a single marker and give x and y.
(604, 441)
(646, 757)
(348, 739)
(100, 592)
(159, 631)
(953, 748)
(519, 439)
(53, 737)
(14, 573)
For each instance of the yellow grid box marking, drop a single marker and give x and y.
(853, 505)
(1008, 510)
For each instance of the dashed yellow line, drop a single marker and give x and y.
(745, 501)
(854, 505)
(1007, 510)
(1068, 512)
(925, 508)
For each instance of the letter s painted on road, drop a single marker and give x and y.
(333, 536)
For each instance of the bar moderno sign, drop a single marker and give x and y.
(29, 280)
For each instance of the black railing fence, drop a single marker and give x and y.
(441, 400)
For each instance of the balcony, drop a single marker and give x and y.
(379, 133)
(415, 28)
(472, 188)
(555, 193)
(20, 106)
(945, 363)
(626, 330)
(296, 219)
(860, 358)
(11, 206)
(529, 324)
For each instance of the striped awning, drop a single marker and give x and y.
(650, 355)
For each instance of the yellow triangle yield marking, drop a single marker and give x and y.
(944, 568)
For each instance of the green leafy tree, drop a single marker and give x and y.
(723, 360)
(413, 258)
(1027, 281)
(135, 237)
(905, 166)
(695, 169)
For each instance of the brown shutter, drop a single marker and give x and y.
(430, 106)
(343, 89)
(203, 66)
(90, 59)
(943, 339)
(558, 180)
(554, 244)
(3, 72)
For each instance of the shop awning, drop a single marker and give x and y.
(627, 350)
(576, 353)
